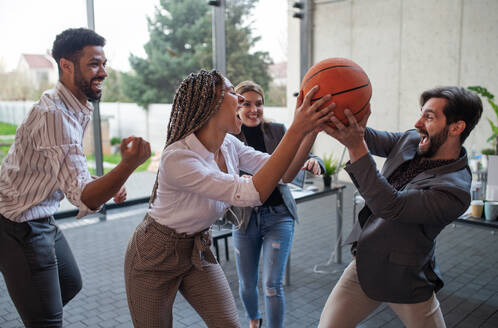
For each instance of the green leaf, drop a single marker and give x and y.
(331, 165)
(493, 126)
(494, 106)
(482, 91)
(489, 96)
(7, 128)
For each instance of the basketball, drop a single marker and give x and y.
(345, 81)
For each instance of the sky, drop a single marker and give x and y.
(30, 26)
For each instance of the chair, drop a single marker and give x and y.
(221, 230)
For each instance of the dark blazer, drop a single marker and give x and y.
(396, 231)
(272, 134)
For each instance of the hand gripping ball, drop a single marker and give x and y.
(345, 81)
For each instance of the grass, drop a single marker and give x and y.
(10, 129)
(3, 152)
(115, 159)
(7, 129)
(110, 158)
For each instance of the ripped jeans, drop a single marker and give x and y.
(270, 228)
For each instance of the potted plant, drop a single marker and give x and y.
(488, 151)
(332, 167)
(483, 92)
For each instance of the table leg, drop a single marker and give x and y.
(338, 244)
(226, 248)
(215, 241)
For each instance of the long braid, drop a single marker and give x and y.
(195, 102)
(197, 99)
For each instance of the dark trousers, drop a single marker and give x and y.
(39, 270)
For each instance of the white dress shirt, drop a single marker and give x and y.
(193, 192)
(46, 160)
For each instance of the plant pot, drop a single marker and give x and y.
(327, 180)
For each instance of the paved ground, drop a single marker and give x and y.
(467, 255)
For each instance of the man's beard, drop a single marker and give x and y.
(435, 142)
(86, 86)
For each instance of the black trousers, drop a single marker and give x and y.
(39, 269)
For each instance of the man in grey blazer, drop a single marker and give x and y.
(424, 185)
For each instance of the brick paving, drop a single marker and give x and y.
(467, 254)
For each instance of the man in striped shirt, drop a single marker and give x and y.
(46, 163)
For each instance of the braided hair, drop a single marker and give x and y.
(197, 99)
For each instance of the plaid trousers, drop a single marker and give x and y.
(160, 262)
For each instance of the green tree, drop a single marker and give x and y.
(36, 92)
(276, 95)
(3, 80)
(113, 90)
(181, 43)
(179, 28)
(241, 64)
(15, 86)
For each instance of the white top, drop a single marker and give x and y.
(193, 192)
(46, 160)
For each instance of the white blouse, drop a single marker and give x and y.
(193, 192)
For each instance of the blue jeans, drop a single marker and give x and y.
(270, 228)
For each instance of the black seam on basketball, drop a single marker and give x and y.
(331, 67)
(352, 89)
(340, 92)
(361, 110)
(345, 119)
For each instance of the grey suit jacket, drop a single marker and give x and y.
(272, 134)
(396, 231)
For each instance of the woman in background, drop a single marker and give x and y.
(198, 180)
(270, 226)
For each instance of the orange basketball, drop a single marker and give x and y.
(345, 81)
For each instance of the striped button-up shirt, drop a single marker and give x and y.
(46, 160)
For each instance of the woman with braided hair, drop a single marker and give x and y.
(198, 179)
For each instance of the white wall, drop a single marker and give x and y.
(405, 47)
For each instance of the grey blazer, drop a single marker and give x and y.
(272, 134)
(396, 231)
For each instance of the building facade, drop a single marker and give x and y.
(406, 47)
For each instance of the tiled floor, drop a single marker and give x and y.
(467, 254)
